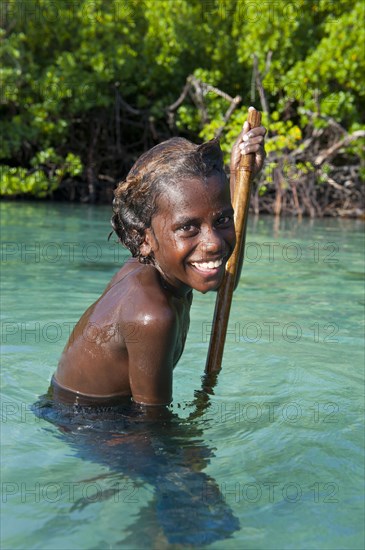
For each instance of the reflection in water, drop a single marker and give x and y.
(166, 452)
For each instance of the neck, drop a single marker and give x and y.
(179, 292)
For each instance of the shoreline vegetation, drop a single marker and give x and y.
(82, 98)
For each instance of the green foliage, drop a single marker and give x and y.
(15, 181)
(43, 179)
(65, 65)
(332, 75)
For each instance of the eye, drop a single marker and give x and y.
(188, 230)
(224, 220)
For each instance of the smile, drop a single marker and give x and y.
(207, 266)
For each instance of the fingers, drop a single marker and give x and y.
(249, 141)
(251, 148)
(247, 133)
(253, 141)
(246, 127)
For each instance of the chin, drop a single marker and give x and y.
(210, 287)
(204, 281)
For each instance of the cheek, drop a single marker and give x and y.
(179, 247)
(182, 246)
(169, 247)
(231, 235)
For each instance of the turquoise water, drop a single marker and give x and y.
(280, 447)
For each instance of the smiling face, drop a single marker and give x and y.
(192, 233)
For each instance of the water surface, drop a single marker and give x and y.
(274, 461)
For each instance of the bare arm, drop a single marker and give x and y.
(248, 141)
(151, 359)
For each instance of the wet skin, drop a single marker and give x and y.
(128, 342)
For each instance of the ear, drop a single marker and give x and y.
(149, 243)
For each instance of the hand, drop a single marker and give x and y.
(249, 141)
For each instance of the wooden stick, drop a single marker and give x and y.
(223, 302)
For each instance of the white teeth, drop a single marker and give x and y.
(208, 265)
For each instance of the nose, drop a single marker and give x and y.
(212, 244)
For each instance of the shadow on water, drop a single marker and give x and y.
(166, 452)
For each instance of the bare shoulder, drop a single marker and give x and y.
(152, 306)
(135, 295)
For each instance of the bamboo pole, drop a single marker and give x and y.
(241, 202)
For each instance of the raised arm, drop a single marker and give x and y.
(248, 141)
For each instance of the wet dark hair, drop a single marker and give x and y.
(168, 163)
